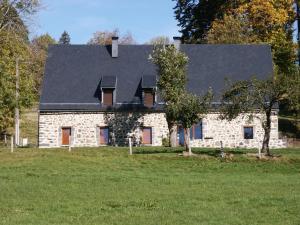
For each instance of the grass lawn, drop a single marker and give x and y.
(154, 186)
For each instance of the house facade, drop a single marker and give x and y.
(101, 95)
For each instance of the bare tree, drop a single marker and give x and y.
(104, 38)
(160, 40)
(13, 13)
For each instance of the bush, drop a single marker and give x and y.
(166, 142)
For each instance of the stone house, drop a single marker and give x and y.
(99, 95)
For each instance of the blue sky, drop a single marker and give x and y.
(81, 18)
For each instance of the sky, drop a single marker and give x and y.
(145, 19)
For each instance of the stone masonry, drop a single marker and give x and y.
(85, 129)
(232, 135)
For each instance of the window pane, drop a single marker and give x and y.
(198, 131)
(248, 132)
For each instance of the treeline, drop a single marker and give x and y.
(241, 22)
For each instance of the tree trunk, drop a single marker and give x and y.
(267, 128)
(187, 141)
(173, 135)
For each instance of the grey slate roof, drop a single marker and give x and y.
(108, 81)
(149, 81)
(73, 73)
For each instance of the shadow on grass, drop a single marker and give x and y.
(157, 150)
(199, 151)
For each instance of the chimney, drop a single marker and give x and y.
(114, 47)
(177, 42)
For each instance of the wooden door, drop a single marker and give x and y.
(66, 134)
(104, 135)
(147, 135)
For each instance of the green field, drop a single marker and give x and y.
(154, 186)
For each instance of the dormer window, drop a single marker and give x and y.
(108, 96)
(149, 89)
(108, 86)
(149, 97)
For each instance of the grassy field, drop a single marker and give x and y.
(29, 125)
(154, 186)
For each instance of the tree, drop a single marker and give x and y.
(65, 38)
(297, 3)
(104, 38)
(260, 22)
(230, 30)
(160, 40)
(14, 44)
(195, 17)
(257, 96)
(9, 52)
(191, 109)
(127, 39)
(14, 12)
(181, 107)
(39, 50)
(171, 65)
(241, 22)
(272, 22)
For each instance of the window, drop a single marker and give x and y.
(248, 132)
(197, 131)
(149, 98)
(66, 135)
(108, 97)
(104, 135)
(147, 135)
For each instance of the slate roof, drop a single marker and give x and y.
(73, 73)
(108, 81)
(149, 81)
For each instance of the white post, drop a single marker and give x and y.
(259, 153)
(5, 139)
(70, 143)
(130, 146)
(12, 144)
(17, 119)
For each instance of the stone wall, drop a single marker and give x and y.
(232, 135)
(85, 129)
